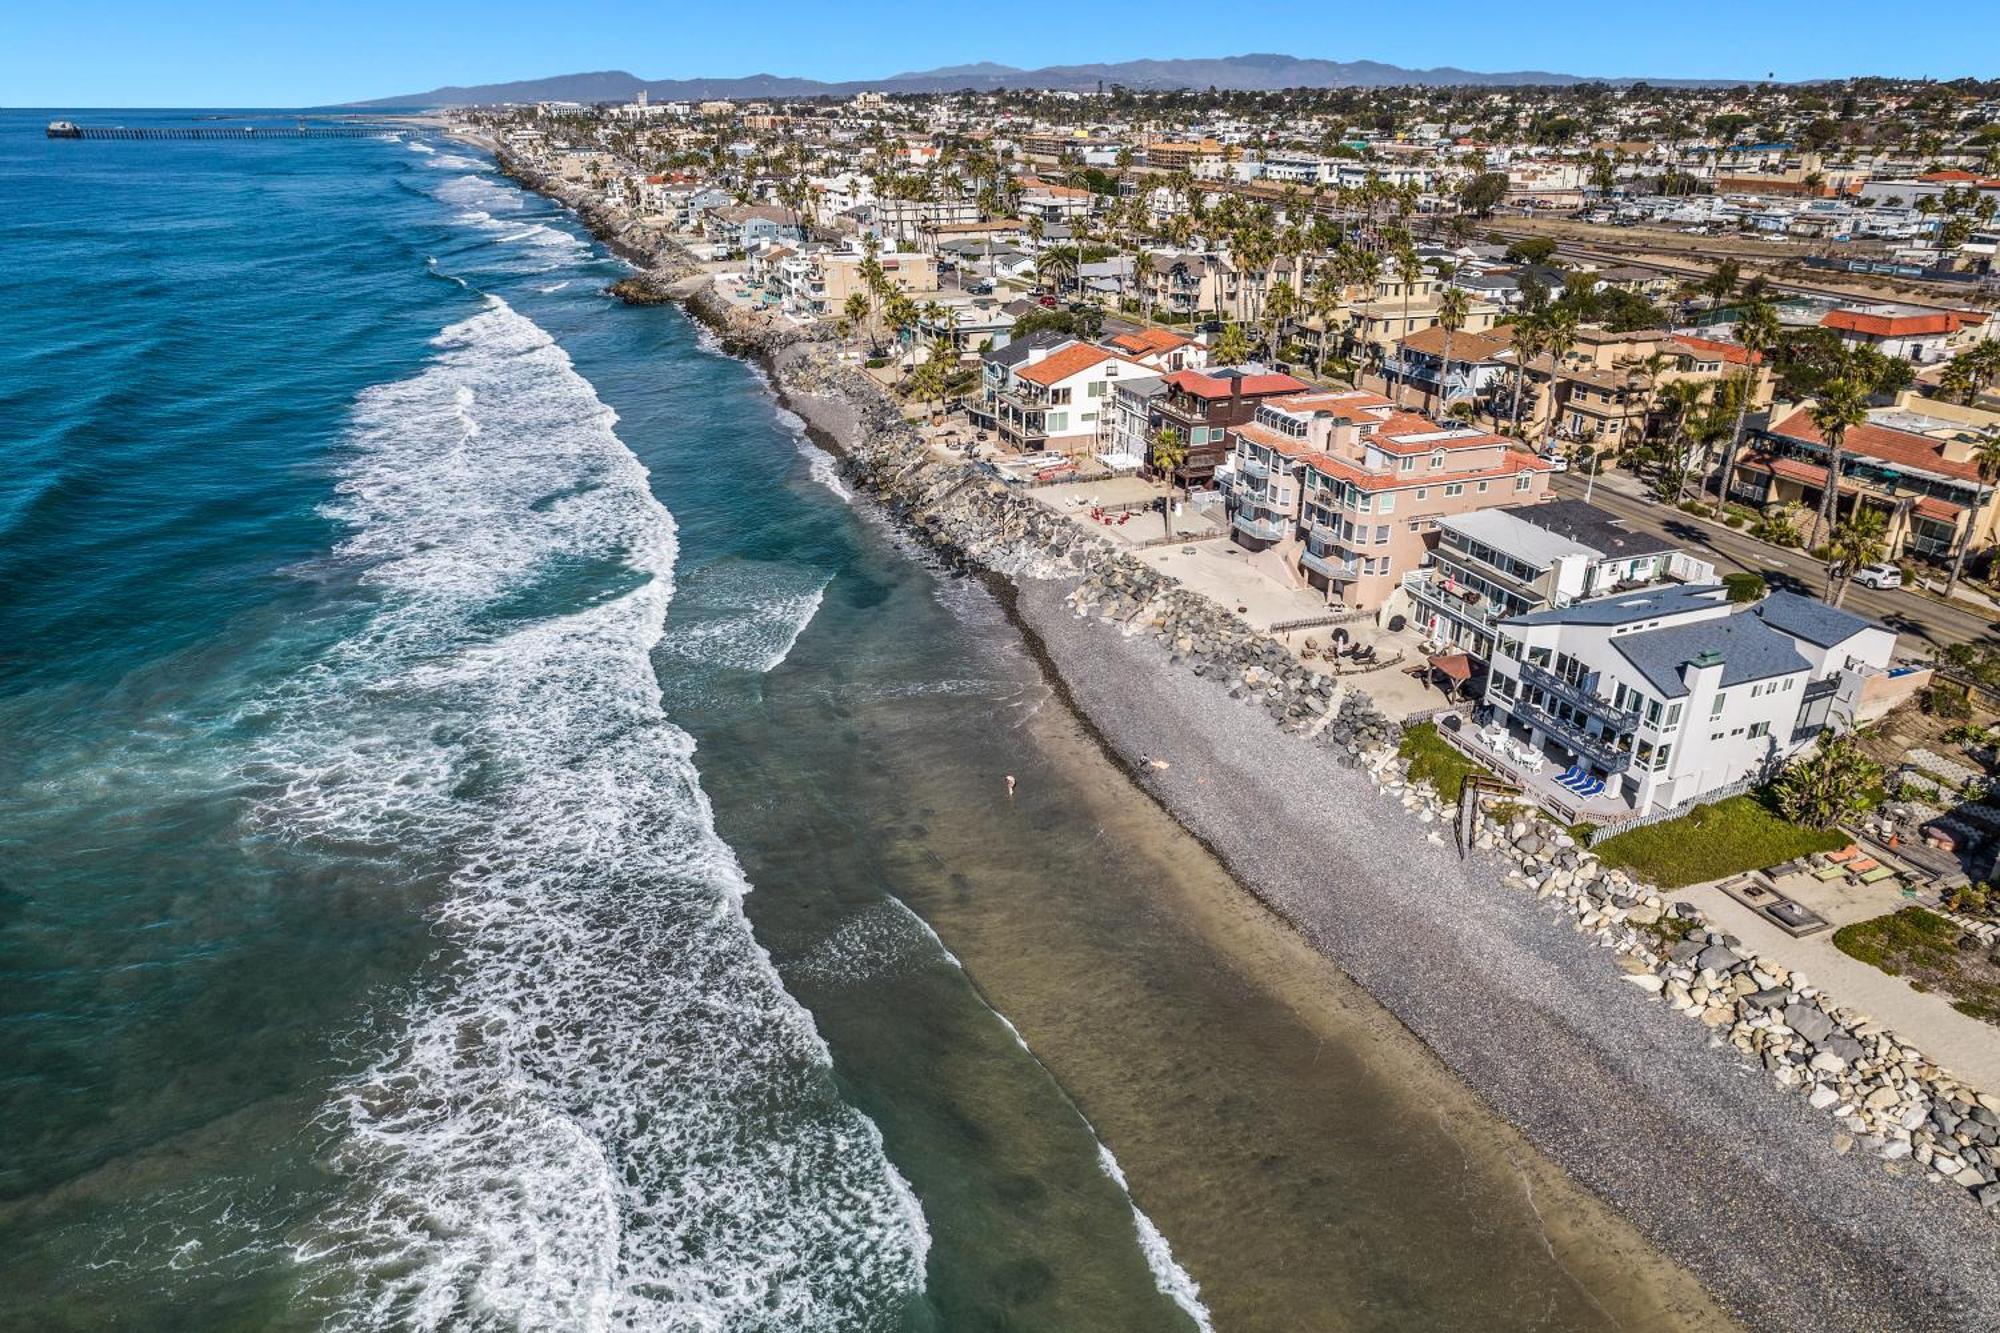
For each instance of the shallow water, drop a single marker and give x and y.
(429, 691)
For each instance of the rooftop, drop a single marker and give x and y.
(1630, 608)
(1810, 619)
(1750, 650)
(1592, 527)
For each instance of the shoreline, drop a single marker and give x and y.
(1726, 1174)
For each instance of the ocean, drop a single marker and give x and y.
(494, 836)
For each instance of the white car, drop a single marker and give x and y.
(1557, 460)
(1879, 576)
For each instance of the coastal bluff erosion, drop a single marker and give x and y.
(1717, 1162)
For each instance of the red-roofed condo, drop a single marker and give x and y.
(1912, 334)
(1922, 474)
(1353, 489)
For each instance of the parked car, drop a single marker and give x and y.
(1557, 460)
(1882, 575)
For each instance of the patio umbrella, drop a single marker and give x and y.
(1454, 667)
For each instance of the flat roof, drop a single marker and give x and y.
(1599, 529)
(1504, 530)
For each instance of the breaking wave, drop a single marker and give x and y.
(605, 1112)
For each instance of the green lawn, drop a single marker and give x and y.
(1712, 842)
(1432, 756)
(1923, 946)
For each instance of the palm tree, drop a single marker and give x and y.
(1529, 343)
(1843, 403)
(1282, 305)
(1558, 336)
(1678, 402)
(1232, 347)
(1856, 542)
(1169, 456)
(1453, 309)
(1408, 267)
(1986, 457)
(858, 310)
(1756, 332)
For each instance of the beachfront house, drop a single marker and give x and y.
(1650, 699)
(1490, 565)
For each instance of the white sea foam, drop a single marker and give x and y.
(457, 162)
(553, 287)
(1173, 1281)
(1168, 1275)
(417, 146)
(744, 615)
(606, 1113)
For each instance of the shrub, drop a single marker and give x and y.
(1946, 702)
(1744, 586)
(1833, 783)
(1711, 842)
(876, 362)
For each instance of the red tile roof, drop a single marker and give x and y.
(1705, 348)
(1060, 365)
(1141, 341)
(1203, 385)
(1511, 463)
(1944, 511)
(1898, 326)
(1882, 443)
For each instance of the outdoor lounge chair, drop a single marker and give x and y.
(1847, 853)
(1878, 874)
(1827, 874)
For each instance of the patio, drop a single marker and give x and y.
(1537, 776)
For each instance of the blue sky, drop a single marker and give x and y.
(235, 53)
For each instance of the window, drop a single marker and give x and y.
(1482, 488)
(1525, 480)
(1388, 505)
(1437, 460)
(1759, 730)
(1381, 534)
(1423, 492)
(1455, 488)
(1095, 389)
(1407, 463)
(1059, 397)
(1715, 709)
(1058, 422)
(1661, 755)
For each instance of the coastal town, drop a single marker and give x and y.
(1483, 435)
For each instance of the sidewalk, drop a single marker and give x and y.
(1966, 1046)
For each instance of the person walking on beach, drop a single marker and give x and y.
(1010, 786)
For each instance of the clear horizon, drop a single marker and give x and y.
(252, 56)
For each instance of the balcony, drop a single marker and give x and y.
(1253, 468)
(1597, 749)
(1329, 567)
(1621, 719)
(1257, 529)
(1475, 609)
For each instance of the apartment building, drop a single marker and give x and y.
(1491, 565)
(1162, 349)
(1927, 485)
(1669, 693)
(1352, 490)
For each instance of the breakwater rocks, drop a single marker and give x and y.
(1885, 1095)
(962, 511)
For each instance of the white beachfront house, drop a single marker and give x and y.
(1669, 693)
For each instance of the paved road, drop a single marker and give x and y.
(1920, 621)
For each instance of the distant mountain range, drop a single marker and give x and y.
(1251, 73)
